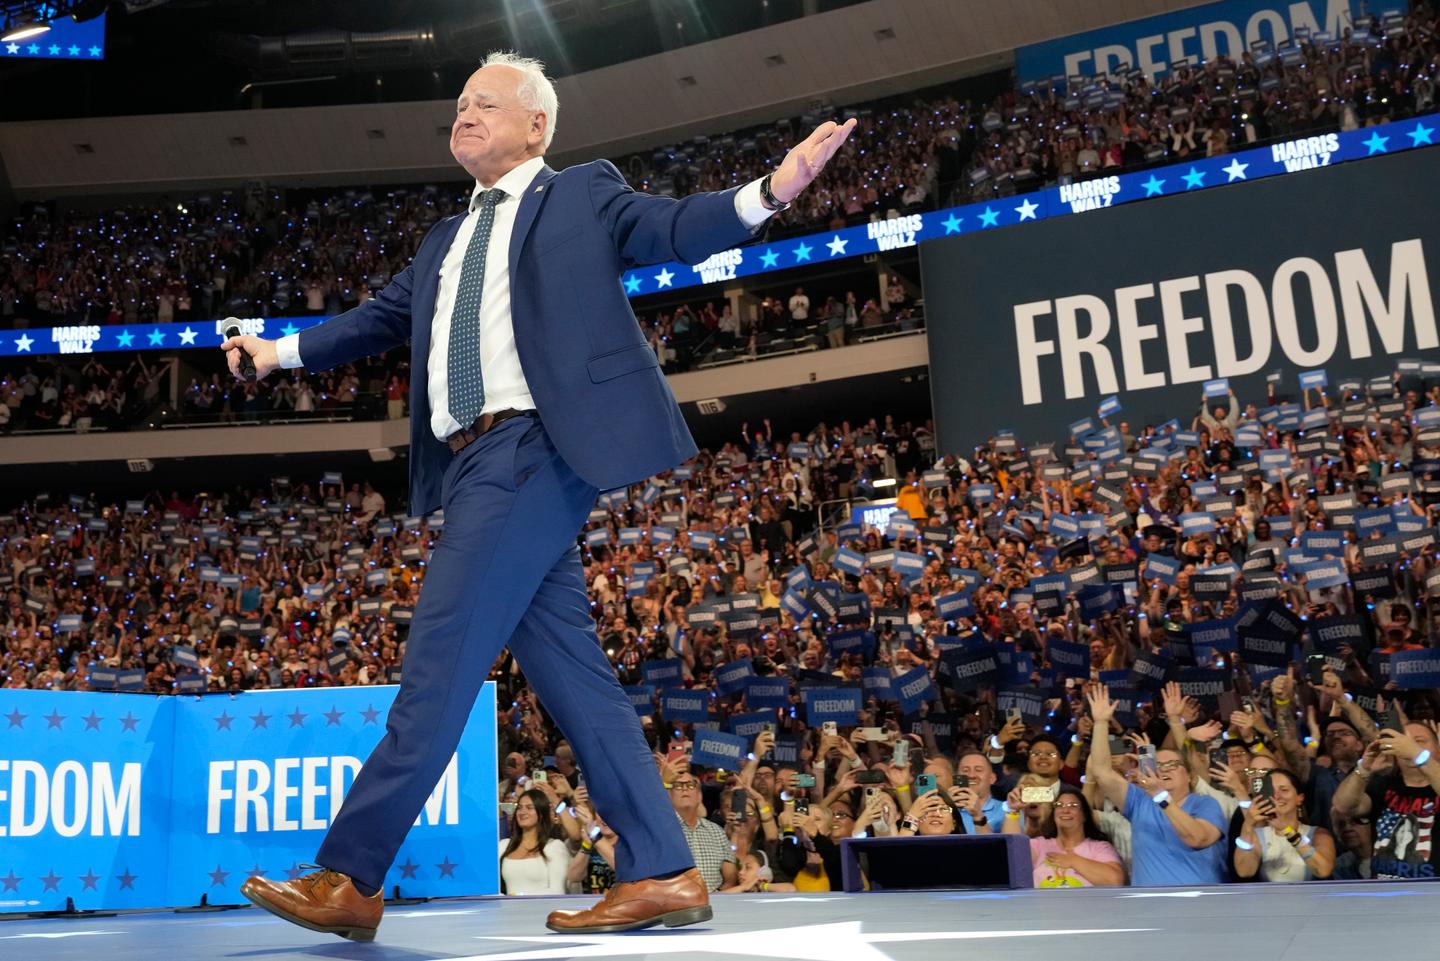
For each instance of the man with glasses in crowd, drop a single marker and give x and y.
(714, 857)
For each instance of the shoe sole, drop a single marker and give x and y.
(674, 919)
(349, 934)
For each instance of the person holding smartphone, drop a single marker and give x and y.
(1070, 851)
(1395, 783)
(1274, 843)
(1176, 836)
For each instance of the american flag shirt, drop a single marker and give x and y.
(1404, 820)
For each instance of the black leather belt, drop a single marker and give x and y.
(485, 423)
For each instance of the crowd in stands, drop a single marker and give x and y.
(81, 393)
(1238, 658)
(84, 392)
(1383, 70)
(273, 253)
(710, 334)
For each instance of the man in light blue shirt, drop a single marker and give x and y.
(980, 812)
(1178, 837)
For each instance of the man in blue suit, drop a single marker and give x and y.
(532, 390)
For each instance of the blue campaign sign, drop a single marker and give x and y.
(841, 705)
(749, 725)
(641, 698)
(731, 677)
(85, 781)
(1152, 44)
(767, 692)
(686, 706)
(65, 40)
(1069, 659)
(130, 802)
(913, 688)
(718, 750)
(1414, 670)
(663, 673)
(275, 766)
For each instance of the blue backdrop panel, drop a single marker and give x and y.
(216, 789)
(84, 811)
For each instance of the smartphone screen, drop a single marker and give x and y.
(1315, 664)
(1147, 760)
(802, 805)
(738, 801)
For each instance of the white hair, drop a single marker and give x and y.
(535, 90)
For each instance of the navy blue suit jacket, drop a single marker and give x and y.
(595, 380)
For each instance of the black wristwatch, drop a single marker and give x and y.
(768, 198)
(981, 821)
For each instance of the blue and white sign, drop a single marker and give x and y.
(1152, 44)
(141, 802)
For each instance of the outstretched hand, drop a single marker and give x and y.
(807, 158)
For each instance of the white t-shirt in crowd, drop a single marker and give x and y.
(542, 875)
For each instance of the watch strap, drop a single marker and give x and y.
(767, 196)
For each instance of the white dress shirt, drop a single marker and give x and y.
(504, 379)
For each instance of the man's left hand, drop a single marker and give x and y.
(806, 159)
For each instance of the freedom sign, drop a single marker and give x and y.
(1246, 292)
(122, 801)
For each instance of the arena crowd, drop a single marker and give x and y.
(268, 252)
(1230, 613)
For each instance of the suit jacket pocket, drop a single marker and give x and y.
(616, 363)
(548, 243)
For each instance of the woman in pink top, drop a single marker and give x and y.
(1070, 851)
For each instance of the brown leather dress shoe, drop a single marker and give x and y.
(683, 899)
(322, 901)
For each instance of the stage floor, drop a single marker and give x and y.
(1272, 922)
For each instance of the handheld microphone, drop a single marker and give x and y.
(247, 363)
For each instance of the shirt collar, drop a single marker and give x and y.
(513, 183)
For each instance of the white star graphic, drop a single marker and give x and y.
(1027, 210)
(1236, 170)
(187, 336)
(815, 942)
(837, 246)
(12, 48)
(23, 342)
(663, 278)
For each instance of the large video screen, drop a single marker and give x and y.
(1030, 330)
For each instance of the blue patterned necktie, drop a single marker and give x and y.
(464, 382)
